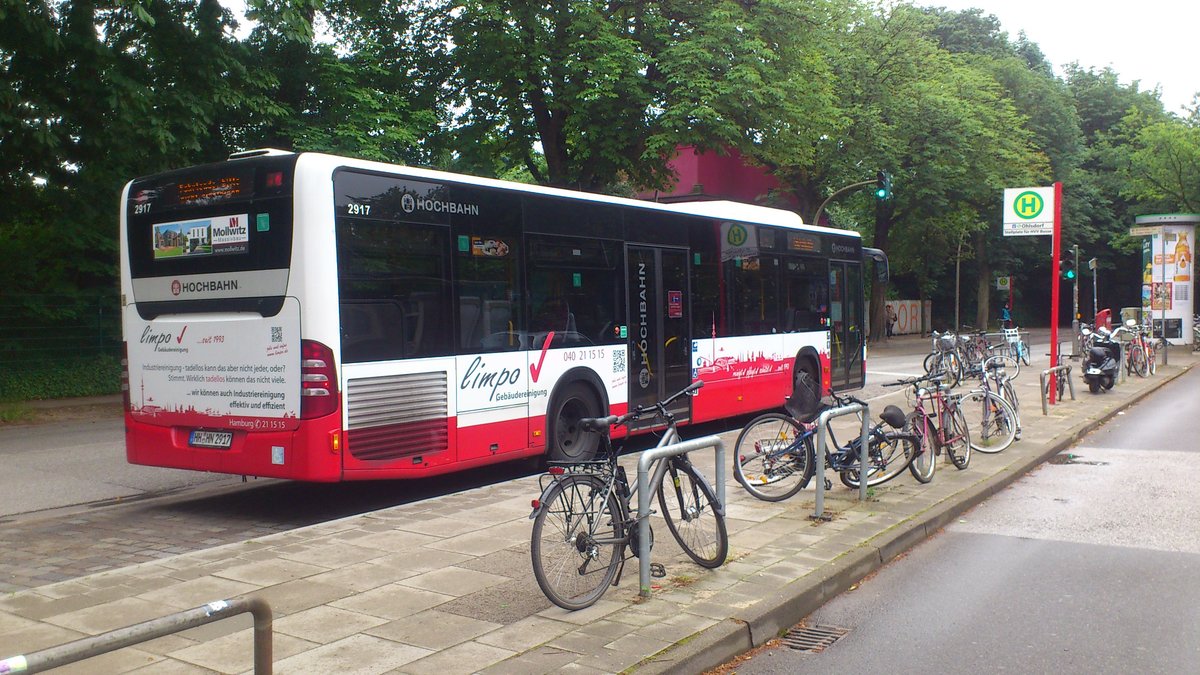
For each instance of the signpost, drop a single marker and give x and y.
(1037, 211)
(1095, 302)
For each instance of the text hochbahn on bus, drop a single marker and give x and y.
(320, 318)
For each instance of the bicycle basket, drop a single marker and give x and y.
(804, 403)
(947, 343)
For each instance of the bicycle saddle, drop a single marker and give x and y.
(893, 416)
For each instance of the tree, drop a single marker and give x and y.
(1164, 167)
(604, 92)
(97, 94)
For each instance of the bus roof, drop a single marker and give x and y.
(723, 210)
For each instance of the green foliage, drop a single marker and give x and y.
(1164, 167)
(62, 377)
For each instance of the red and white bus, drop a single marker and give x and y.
(321, 318)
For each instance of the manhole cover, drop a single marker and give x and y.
(813, 639)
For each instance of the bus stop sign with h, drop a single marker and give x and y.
(1037, 211)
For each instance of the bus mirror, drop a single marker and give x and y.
(882, 273)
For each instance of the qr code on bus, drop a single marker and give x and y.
(276, 333)
(618, 360)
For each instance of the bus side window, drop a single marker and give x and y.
(575, 290)
(372, 330)
(485, 288)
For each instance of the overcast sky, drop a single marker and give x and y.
(1153, 41)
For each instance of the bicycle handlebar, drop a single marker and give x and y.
(846, 400)
(914, 381)
(658, 409)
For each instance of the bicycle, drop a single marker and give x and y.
(992, 421)
(1140, 356)
(1016, 344)
(945, 427)
(945, 360)
(584, 521)
(998, 353)
(775, 455)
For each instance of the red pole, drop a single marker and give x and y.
(1054, 283)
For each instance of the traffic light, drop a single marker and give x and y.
(1067, 270)
(883, 185)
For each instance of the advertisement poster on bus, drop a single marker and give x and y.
(202, 237)
(238, 373)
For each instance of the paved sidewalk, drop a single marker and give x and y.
(445, 585)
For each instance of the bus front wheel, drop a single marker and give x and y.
(568, 441)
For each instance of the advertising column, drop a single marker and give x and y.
(1168, 258)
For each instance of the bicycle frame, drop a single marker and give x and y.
(613, 475)
(839, 457)
(943, 408)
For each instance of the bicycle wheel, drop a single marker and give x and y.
(924, 461)
(691, 512)
(958, 439)
(948, 366)
(1152, 358)
(1012, 366)
(1137, 357)
(773, 457)
(927, 364)
(990, 420)
(1023, 352)
(888, 454)
(578, 541)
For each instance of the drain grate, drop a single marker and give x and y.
(813, 639)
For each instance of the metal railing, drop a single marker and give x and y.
(823, 437)
(1066, 370)
(645, 461)
(86, 648)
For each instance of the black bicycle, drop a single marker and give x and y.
(584, 521)
(775, 455)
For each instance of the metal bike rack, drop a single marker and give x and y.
(643, 485)
(1046, 392)
(822, 437)
(96, 645)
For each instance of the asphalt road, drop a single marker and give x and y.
(1087, 565)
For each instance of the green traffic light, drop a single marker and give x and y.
(883, 185)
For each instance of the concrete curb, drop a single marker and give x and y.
(800, 598)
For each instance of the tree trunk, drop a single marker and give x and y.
(984, 291)
(884, 214)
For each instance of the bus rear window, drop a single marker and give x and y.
(227, 217)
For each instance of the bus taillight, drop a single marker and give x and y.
(318, 380)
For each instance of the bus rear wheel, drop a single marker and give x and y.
(568, 441)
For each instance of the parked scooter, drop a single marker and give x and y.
(1101, 359)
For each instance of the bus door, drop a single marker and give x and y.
(845, 325)
(659, 340)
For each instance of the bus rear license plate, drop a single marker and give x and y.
(211, 439)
